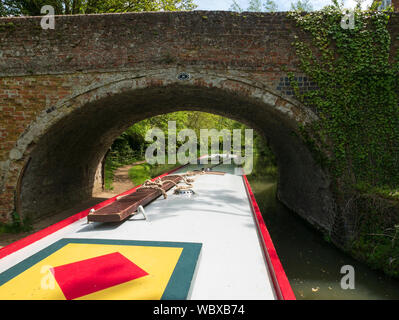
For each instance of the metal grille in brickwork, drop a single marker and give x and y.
(304, 83)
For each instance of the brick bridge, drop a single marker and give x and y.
(67, 93)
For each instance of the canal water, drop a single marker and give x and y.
(313, 265)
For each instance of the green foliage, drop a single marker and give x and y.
(33, 7)
(140, 173)
(382, 191)
(16, 225)
(264, 166)
(301, 5)
(264, 160)
(270, 6)
(131, 145)
(256, 6)
(3, 11)
(357, 98)
(357, 137)
(259, 5)
(111, 164)
(235, 7)
(378, 240)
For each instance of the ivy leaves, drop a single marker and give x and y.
(357, 98)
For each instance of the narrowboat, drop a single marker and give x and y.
(192, 233)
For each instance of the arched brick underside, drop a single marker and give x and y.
(63, 162)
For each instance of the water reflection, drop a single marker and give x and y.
(311, 264)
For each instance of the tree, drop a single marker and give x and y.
(2, 10)
(301, 5)
(235, 7)
(256, 6)
(338, 5)
(33, 7)
(270, 6)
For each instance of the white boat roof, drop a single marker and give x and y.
(231, 264)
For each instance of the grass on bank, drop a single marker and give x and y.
(385, 192)
(137, 174)
(140, 173)
(377, 238)
(16, 225)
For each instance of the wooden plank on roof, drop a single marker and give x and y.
(126, 206)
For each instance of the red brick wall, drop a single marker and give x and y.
(38, 68)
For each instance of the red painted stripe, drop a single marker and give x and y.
(17, 245)
(280, 281)
(80, 278)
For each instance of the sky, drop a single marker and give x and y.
(283, 5)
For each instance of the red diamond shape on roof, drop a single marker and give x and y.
(87, 276)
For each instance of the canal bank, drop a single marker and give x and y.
(312, 264)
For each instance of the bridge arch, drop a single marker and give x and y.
(58, 155)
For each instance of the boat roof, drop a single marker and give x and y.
(209, 245)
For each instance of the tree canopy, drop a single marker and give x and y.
(302, 5)
(256, 6)
(271, 6)
(33, 7)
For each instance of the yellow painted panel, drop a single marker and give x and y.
(38, 282)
